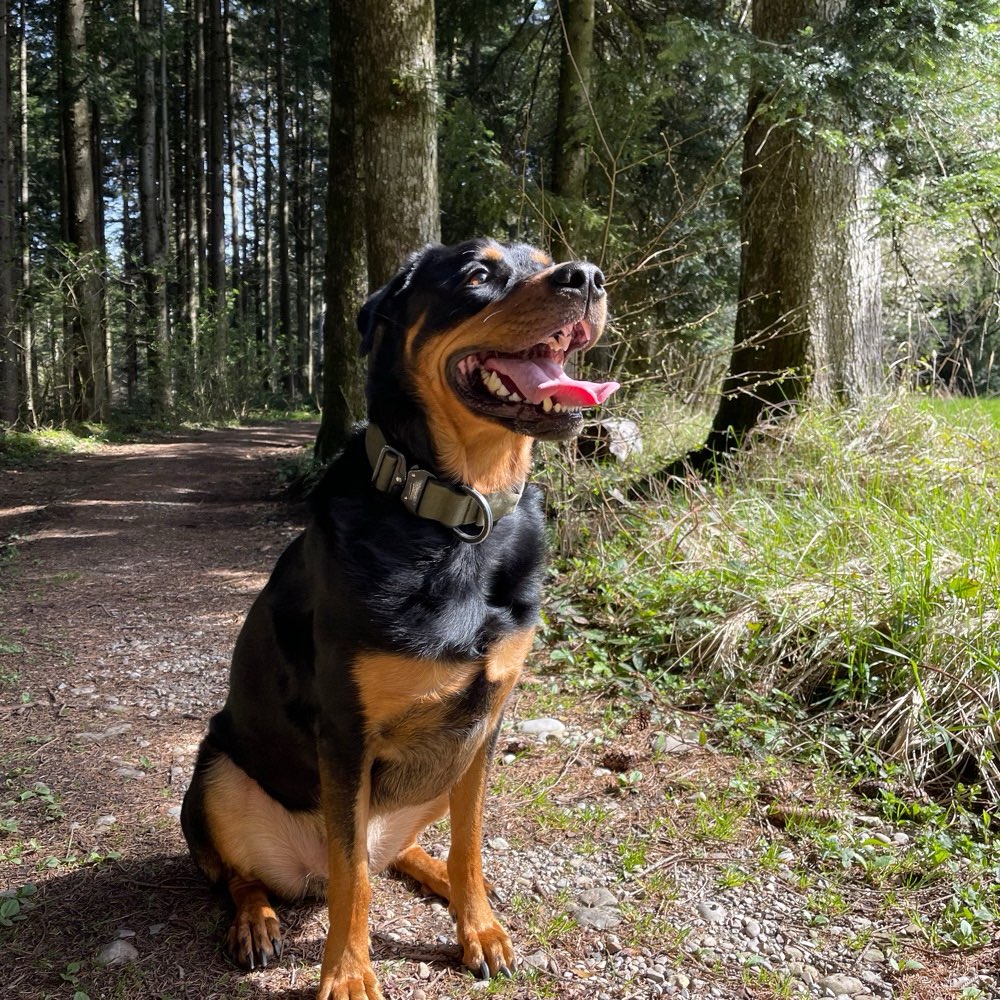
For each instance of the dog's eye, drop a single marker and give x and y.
(478, 277)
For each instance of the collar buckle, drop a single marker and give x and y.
(389, 472)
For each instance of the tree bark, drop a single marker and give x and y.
(151, 216)
(400, 130)
(89, 397)
(574, 125)
(8, 258)
(26, 318)
(808, 322)
(286, 332)
(215, 94)
(346, 270)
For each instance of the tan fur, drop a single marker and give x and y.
(470, 448)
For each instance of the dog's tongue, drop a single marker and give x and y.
(541, 378)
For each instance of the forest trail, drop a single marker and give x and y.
(628, 860)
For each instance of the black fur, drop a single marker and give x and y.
(367, 576)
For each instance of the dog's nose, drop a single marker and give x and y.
(579, 275)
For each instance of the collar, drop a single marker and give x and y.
(424, 495)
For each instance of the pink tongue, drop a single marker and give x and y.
(541, 378)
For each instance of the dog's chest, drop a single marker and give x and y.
(427, 720)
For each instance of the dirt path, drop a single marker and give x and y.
(631, 859)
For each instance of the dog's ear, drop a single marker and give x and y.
(384, 306)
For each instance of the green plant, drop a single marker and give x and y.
(14, 905)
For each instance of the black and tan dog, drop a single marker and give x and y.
(370, 677)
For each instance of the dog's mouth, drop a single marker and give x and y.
(530, 390)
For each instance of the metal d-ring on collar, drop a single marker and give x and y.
(426, 496)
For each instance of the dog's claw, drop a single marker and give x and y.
(278, 945)
(484, 970)
(505, 972)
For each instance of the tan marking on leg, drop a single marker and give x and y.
(486, 947)
(254, 936)
(346, 972)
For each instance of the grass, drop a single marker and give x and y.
(849, 563)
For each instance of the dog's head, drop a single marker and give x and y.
(468, 345)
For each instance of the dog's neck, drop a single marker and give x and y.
(468, 512)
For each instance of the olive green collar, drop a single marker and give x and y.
(424, 495)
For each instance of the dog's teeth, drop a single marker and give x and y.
(514, 397)
(557, 408)
(547, 404)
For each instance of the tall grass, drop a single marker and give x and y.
(849, 559)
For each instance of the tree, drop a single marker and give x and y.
(86, 346)
(382, 190)
(151, 208)
(574, 123)
(396, 40)
(808, 321)
(8, 342)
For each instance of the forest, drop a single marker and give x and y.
(189, 192)
(770, 642)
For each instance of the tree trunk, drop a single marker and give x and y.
(574, 125)
(27, 318)
(9, 394)
(809, 316)
(85, 285)
(400, 130)
(216, 192)
(286, 332)
(346, 272)
(151, 216)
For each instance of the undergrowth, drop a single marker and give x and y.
(846, 566)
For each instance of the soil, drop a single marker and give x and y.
(125, 573)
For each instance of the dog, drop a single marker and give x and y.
(369, 680)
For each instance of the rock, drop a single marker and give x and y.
(118, 952)
(537, 960)
(598, 897)
(665, 743)
(612, 944)
(838, 984)
(597, 918)
(751, 927)
(711, 911)
(108, 734)
(610, 438)
(541, 727)
(498, 844)
(424, 970)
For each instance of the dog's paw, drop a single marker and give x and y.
(254, 937)
(487, 950)
(355, 984)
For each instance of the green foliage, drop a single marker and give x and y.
(849, 561)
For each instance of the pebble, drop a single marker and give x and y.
(117, 952)
(537, 960)
(838, 985)
(541, 727)
(594, 917)
(711, 911)
(599, 897)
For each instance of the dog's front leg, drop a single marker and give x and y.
(346, 973)
(486, 947)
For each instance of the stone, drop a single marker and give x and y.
(594, 917)
(838, 984)
(711, 911)
(598, 897)
(537, 960)
(541, 727)
(118, 952)
(751, 927)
